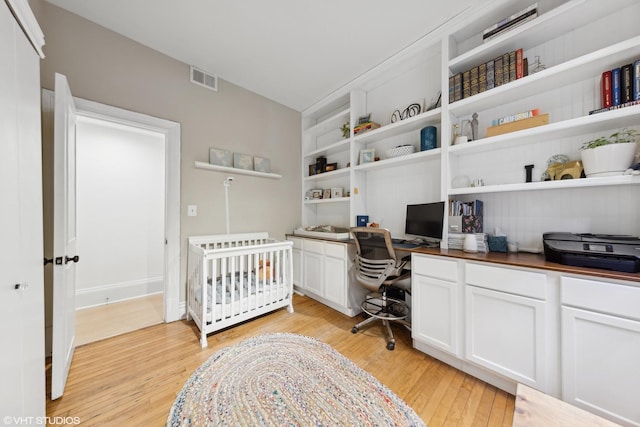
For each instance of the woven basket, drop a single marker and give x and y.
(401, 150)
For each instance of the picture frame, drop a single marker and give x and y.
(316, 194)
(326, 193)
(242, 161)
(367, 155)
(220, 157)
(261, 164)
(336, 192)
(312, 169)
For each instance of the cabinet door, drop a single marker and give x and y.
(435, 313)
(600, 355)
(506, 333)
(335, 280)
(312, 272)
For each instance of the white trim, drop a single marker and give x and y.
(26, 19)
(171, 130)
(116, 292)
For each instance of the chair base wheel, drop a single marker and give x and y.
(391, 345)
(354, 330)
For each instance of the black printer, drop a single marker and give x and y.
(609, 252)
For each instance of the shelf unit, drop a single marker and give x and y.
(571, 39)
(237, 171)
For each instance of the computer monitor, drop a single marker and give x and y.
(425, 221)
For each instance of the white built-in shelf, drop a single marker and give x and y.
(431, 117)
(588, 66)
(620, 118)
(550, 185)
(237, 171)
(545, 27)
(336, 147)
(323, 201)
(328, 175)
(420, 156)
(333, 122)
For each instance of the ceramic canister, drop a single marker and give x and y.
(428, 138)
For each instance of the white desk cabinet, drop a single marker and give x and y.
(506, 321)
(434, 287)
(601, 348)
(324, 273)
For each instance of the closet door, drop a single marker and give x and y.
(22, 369)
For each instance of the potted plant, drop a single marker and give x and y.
(612, 155)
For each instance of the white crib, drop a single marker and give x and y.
(236, 277)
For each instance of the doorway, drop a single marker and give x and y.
(171, 134)
(120, 198)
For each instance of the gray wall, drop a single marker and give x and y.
(106, 67)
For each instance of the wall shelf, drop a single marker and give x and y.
(237, 171)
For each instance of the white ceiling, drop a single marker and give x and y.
(294, 52)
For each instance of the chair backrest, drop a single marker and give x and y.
(375, 258)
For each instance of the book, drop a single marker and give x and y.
(466, 84)
(510, 21)
(451, 89)
(473, 85)
(519, 64)
(491, 75)
(512, 66)
(615, 87)
(482, 77)
(457, 87)
(497, 65)
(504, 21)
(636, 80)
(626, 84)
(605, 89)
(615, 107)
(505, 68)
(538, 120)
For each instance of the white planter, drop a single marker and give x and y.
(608, 160)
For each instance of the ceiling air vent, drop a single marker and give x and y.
(203, 78)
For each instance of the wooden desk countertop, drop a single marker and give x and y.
(520, 259)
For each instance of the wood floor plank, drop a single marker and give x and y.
(133, 379)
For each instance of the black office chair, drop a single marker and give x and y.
(378, 269)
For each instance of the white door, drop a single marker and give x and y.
(64, 236)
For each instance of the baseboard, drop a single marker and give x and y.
(101, 295)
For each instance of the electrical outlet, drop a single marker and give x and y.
(192, 210)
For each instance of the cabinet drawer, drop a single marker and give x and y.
(314, 246)
(438, 268)
(519, 282)
(336, 250)
(601, 296)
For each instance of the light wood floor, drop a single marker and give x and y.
(109, 320)
(132, 379)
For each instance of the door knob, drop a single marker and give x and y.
(69, 259)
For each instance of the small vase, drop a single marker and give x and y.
(608, 160)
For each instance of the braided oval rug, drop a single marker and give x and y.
(286, 379)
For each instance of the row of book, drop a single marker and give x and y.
(621, 85)
(503, 69)
(458, 208)
(510, 22)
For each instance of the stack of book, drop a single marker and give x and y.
(503, 69)
(620, 87)
(510, 22)
(456, 241)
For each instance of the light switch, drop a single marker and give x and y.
(192, 210)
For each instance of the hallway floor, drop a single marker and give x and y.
(97, 323)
